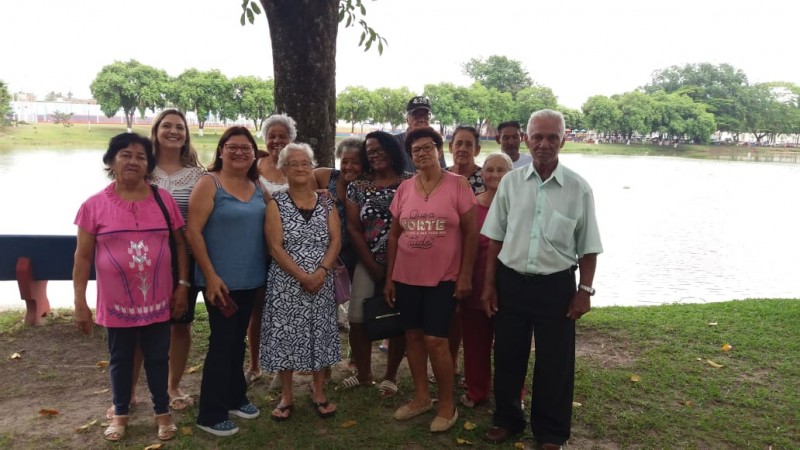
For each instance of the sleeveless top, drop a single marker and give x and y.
(234, 236)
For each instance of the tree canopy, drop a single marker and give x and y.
(499, 72)
(130, 86)
(5, 103)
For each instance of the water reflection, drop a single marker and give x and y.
(674, 229)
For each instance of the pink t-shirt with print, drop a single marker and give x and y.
(132, 258)
(429, 248)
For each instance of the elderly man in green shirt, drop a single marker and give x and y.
(542, 227)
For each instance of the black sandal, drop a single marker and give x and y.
(323, 415)
(282, 408)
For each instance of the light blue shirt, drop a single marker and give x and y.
(545, 226)
(523, 160)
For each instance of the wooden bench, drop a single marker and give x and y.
(32, 261)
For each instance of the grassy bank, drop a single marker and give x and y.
(80, 136)
(647, 378)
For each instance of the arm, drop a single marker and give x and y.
(489, 294)
(322, 176)
(181, 294)
(391, 253)
(84, 256)
(469, 250)
(201, 204)
(581, 301)
(359, 244)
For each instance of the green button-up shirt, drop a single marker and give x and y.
(545, 225)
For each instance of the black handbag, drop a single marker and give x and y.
(381, 321)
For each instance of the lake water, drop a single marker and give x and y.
(673, 229)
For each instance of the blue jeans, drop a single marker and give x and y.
(154, 342)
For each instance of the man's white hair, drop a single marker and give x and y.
(547, 114)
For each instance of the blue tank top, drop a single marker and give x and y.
(234, 235)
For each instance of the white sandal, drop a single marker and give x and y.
(168, 431)
(115, 432)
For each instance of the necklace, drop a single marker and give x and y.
(428, 191)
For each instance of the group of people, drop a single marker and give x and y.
(451, 248)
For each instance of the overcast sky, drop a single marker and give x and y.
(578, 49)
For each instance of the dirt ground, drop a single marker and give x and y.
(57, 369)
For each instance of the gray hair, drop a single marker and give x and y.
(547, 114)
(351, 144)
(506, 159)
(280, 119)
(295, 147)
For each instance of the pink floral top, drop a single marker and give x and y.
(132, 257)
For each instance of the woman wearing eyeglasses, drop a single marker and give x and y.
(299, 329)
(225, 230)
(431, 252)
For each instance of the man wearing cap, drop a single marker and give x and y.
(541, 228)
(418, 115)
(509, 136)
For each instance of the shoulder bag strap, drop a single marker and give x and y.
(163, 208)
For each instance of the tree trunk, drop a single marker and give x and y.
(303, 34)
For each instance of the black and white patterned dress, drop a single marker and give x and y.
(299, 330)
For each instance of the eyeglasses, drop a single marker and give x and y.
(427, 148)
(233, 148)
(375, 152)
(299, 165)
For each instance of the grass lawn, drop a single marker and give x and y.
(655, 377)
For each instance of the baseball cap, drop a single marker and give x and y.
(418, 102)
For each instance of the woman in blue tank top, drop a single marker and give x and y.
(226, 211)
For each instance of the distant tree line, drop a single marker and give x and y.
(689, 102)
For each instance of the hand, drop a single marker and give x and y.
(389, 293)
(376, 271)
(489, 299)
(580, 304)
(179, 303)
(83, 318)
(314, 281)
(214, 289)
(463, 288)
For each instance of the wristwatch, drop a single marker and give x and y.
(586, 288)
(184, 283)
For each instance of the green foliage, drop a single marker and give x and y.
(390, 105)
(532, 99)
(253, 98)
(499, 72)
(355, 104)
(130, 86)
(5, 104)
(62, 118)
(202, 92)
(601, 114)
(573, 118)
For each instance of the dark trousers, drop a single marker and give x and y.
(535, 306)
(223, 387)
(154, 342)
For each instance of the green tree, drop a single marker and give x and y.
(678, 116)
(499, 72)
(355, 105)
(62, 118)
(202, 92)
(637, 112)
(444, 103)
(573, 118)
(130, 86)
(251, 97)
(390, 106)
(5, 104)
(601, 114)
(533, 99)
(303, 36)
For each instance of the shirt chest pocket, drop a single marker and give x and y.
(559, 230)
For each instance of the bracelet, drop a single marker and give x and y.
(184, 283)
(324, 268)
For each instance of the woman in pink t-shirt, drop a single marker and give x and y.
(431, 253)
(123, 229)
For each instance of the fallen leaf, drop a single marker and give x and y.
(47, 412)
(194, 368)
(520, 445)
(154, 447)
(699, 359)
(15, 356)
(713, 364)
(688, 403)
(469, 426)
(102, 364)
(349, 423)
(727, 347)
(105, 424)
(85, 426)
(460, 441)
(712, 324)
(636, 378)
(576, 404)
(101, 391)
(186, 431)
